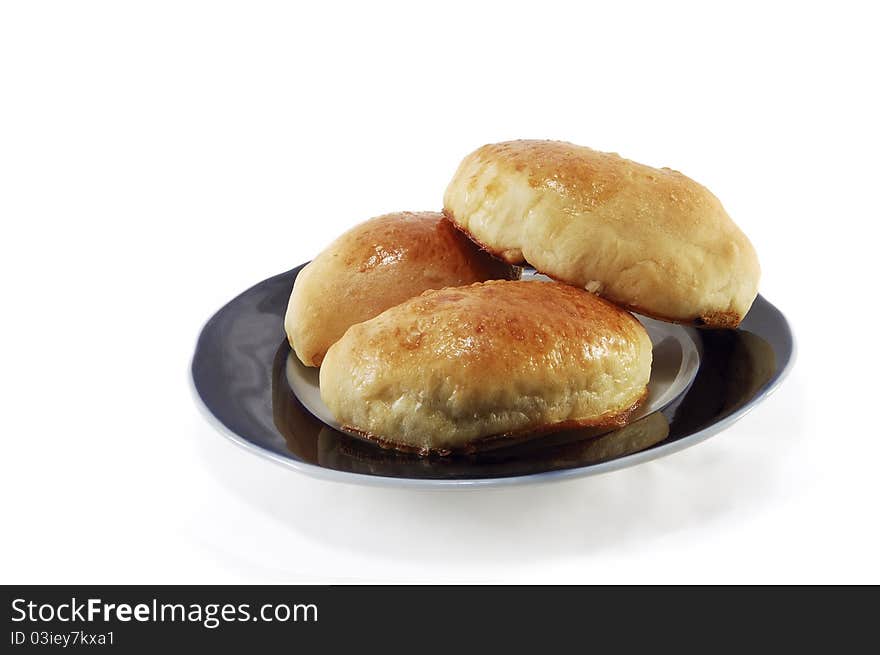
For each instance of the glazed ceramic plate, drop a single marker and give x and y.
(258, 394)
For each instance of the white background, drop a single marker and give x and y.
(157, 158)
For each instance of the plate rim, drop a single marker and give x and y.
(348, 477)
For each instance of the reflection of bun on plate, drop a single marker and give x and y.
(452, 368)
(560, 451)
(377, 265)
(649, 239)
(633, 438)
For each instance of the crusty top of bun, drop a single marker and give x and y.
(650, 239)
(374, 266)
(456, 366)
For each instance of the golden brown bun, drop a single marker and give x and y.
(649, 239)
(453, 368)
(377, 265)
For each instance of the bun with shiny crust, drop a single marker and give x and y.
(649, 239)
(457, 368)
(377, 265)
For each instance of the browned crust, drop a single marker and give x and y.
(495, 441)
(711, 320)
(728, 320)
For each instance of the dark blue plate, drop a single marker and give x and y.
(238, 371)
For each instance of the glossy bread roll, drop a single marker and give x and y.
(649, 239)
(377, 265)
(451, 369)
